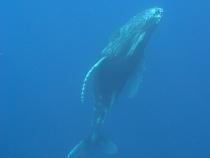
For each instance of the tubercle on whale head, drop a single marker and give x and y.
(150, 17)
(155, 13)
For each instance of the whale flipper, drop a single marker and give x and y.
(87, 76)
(136, 79)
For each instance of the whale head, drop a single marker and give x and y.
(134, 35)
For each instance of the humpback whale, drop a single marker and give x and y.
(122, 60)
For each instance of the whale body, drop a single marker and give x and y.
(122, 60)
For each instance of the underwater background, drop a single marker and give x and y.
(46, 49)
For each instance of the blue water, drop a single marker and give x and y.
(46, 49)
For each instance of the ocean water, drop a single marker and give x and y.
(46, 49)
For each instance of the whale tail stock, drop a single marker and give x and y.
(100, 144)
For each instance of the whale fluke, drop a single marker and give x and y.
(100, 144)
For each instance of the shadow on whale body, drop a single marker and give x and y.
(121, 60)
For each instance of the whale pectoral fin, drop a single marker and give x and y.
(136, 79)
(87, 76)
(79, 150)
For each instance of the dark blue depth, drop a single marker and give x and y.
(46, 49)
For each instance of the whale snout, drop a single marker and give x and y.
(158, 13)
(154, 14)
